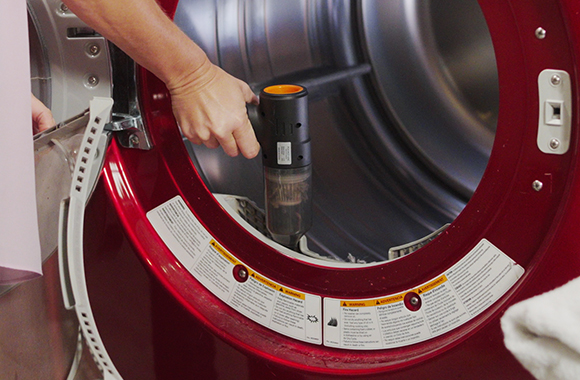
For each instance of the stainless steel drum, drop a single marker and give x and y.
(404, 104)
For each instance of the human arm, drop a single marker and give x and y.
(208, 103)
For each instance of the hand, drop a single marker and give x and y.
(41, 116)
(208, 103)
(210, 108)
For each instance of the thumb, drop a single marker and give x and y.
(249, 95)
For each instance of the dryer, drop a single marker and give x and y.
(445, 158)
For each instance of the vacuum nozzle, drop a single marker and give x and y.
(283, 114)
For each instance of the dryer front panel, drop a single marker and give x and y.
(436, 206)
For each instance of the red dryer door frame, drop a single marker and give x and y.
(532, 227)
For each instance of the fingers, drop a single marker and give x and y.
(233, 133)
(249, 95)
(41, 116)
(45, 121)
(212, 143)
(216, 114)
(229, 145)
(204, 138)
(241, 140)
(246, 141)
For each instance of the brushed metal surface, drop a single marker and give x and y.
(398, 148)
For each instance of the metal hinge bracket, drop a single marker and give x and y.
(130, 131)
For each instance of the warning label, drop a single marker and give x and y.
(285, 310)
(418, 314)
(429, 310)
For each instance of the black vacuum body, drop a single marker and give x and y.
(285, 141)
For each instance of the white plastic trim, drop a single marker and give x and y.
(75, 293)
(555, 111)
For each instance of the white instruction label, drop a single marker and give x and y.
(285, 310)
(284, 153)
(422, 313)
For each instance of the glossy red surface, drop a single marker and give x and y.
(168, 326)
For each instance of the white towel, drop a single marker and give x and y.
(543, 333)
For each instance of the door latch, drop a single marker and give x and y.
(130, 131)
(555, 111)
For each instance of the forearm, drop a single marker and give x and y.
(144, 32)
(209, 104)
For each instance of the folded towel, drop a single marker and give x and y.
(543, 333)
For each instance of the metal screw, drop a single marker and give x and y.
(414, 301)
(537, 185)
(555, 79)
(540, 33)
(93, 80)
(133, 140)
(243, 273)
(63, 8)
(554, 143)
(93, 50)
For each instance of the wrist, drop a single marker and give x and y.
(191, 77)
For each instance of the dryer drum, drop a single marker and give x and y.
(421, 113)
(404, 103)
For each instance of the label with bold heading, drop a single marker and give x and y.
(427, 311)
(288, 311)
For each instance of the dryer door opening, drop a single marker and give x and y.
(403, 110)
(432, 121)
